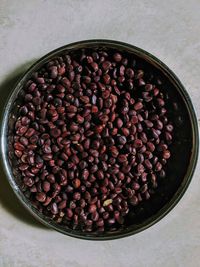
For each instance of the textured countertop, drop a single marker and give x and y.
(168, 29)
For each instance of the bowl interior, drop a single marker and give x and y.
(184, 149)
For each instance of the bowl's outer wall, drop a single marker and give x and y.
(184, 149)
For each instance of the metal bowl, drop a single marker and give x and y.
(184, 149)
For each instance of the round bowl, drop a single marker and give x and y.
(184, 149)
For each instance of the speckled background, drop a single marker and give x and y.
(168, 29)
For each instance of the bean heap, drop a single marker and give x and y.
(91, 138)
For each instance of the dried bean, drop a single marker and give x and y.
(91, 138)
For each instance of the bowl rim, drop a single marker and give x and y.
(185, 97)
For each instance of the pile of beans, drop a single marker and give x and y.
(91, 138)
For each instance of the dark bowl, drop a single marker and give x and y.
(180, 166)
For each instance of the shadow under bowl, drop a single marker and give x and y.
(184, 149)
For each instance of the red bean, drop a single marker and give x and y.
(92, 208)
(62, 204)
(76, 183)
(117, 57)
(76, 196)
(106, 65)
(69, 213)
(41, 197)
(138, 106)
(46, 186)
(166, 154)
(100, 222)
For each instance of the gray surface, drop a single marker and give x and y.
(168, 29)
